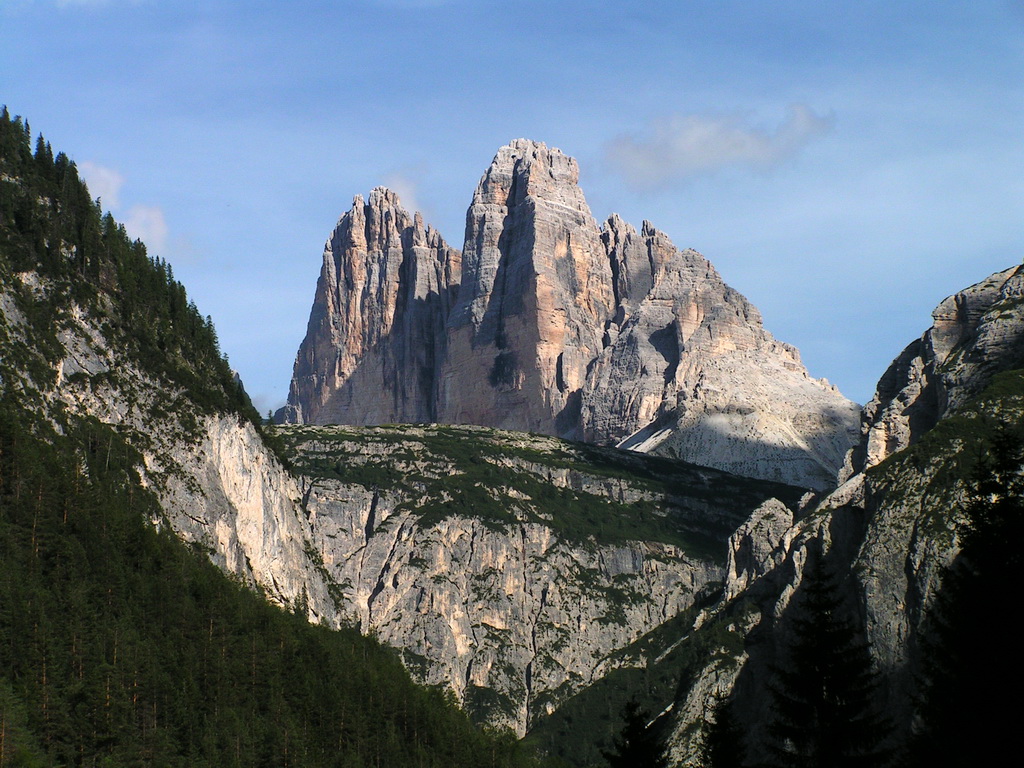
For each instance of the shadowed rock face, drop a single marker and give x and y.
(688, 370)
(535, 299)
(976, 333)
(548, 323)
(376, 332)
(892, 531)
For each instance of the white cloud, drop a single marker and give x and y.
(147, 223)
(104, 183)
(405, 187)
(143, 222)
(688, 145)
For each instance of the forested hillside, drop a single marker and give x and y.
(119, 644)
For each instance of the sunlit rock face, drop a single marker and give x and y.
(976, 333)
(376, 333)
(547, 322)
(536, 297)
(219, 486)
(688, 370)
(511, 568)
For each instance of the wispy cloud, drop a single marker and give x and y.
(681, 146)
(405, 186)
(143, 222)
(147, 223)
(407, 181)
(104, 183)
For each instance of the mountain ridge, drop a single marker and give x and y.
(490, 557)
(155, 587)
(547, 322)
(512, 568)
(547, 549)
(890, 529)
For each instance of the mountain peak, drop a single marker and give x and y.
(382, 197)
(524, 168)
(547, 323)
(528, 151)
(385, 275)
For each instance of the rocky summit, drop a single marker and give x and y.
(977, 333)
(377, 330)
(547, 322)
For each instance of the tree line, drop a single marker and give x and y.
(824, 693)
(119, 644)
(50, 225)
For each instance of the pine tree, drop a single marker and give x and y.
(823, 697)
(640, 744)
(724, 743)
(969, 656)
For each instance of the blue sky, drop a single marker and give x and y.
(844, 165)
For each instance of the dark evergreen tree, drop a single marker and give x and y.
(969, 663)
(119, 644)
(640, 744)
(824, 693)
(724, 745)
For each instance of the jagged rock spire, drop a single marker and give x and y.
(535, 298)
(558, 326)
(376, 330)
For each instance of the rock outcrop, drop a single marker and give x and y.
(376, 334)
(510, 568)
(560, 327)
(219, 486)
(758, 546)
(535, 299)
(977, 333)
(689, 371)
(888, 532)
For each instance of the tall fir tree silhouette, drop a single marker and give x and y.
(824, 693)
(724, 744)
(972, 667)
(640, 744)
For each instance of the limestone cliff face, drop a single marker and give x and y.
(376, 332)
(758, 546)
(911, 513)
(976, 333)
(513, 621)
(914, 503)
(688, 370)
(506, 567)
(560, 327)
(893, 529)
(218, 484)
(534, 301)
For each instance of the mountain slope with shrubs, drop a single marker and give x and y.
(120, 644)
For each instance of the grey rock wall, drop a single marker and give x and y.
(535, 299)
(976, 333)
(547, 323)
(376, 333)
(218, 485)
(501, 599)
(895, 526)
(689, 371)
